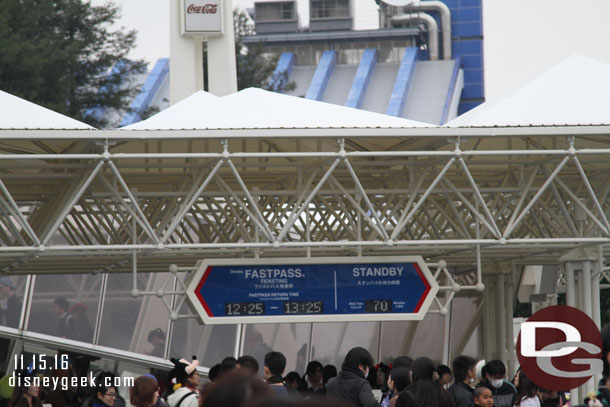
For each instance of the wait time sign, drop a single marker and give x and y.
(337, 289)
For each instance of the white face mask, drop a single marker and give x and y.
(497, 383)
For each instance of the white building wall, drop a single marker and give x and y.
(525, 37)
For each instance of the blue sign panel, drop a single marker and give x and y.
(230, 291)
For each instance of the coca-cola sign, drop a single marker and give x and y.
(202, 17)
(207, 9)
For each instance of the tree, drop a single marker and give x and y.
(63, 54)
(254, 67)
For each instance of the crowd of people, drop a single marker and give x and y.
(359, 382)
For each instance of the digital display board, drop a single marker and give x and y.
(312, 289)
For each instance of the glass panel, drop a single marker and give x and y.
(290, 339)
(80, 292)
(11, 300)
(462, 311)
(135, 324)
(413, 339)
(210, 343)
(332, 341)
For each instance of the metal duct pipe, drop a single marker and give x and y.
(431, 26)
(445, 21)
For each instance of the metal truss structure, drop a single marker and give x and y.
(117, 199)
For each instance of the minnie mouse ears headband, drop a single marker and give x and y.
(184, 368)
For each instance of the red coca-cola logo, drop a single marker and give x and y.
(206, 9)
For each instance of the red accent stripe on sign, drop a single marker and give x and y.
(425, 281)
(198, 291)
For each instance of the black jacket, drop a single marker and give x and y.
(504, 396)
(462, 394)
(351, 386)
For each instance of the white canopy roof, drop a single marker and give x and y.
(571, 93)
(254, 108)
(20, 114)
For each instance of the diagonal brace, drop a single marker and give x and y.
(305, 204)
(421, 201)
(185, 208)
(531, 203)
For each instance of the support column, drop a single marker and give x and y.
(222, 69)
(578, 293)
(509, 312)
(501, 320)
(185, 62)
(488, 321)
(595, 301)
(585, 286)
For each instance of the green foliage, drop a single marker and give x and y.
(254, 67)
(62, 54)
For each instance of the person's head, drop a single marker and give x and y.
(60, 306)
(156, 337)
(106, 394)
(527, 388)
(328, 372)
(359, 358)
(495, 372)
(275, 363)
(214, 372)
(398, 379)
(444, 374)
(483, 397)
(606, 351)
(548, 395)
(7, 287)
(383, 371)
(464, 369)
(422, 369)
(185, 373)
(314, 372)
(78, 310)
(248, 364)
(402, 361)
(236, 389)
(144, 392)
(227, 365)
(292, 379)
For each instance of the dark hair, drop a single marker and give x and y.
(402, 361)
(236, 389)
(495, 368)
(526, 389)
(443, 370)
(401, 379)
(18, 399)
(358, 356)
(249, 363)
(157, 332)
(214, 372)
(298, 402)
(328, 372)
(478, 391)
(461, 365)
(606, 349)
(311, 369)
(142, 393)
(275, 362)
(101, 380)
(426, 391)
(292, 377)
(227, 364)
(62, 303)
